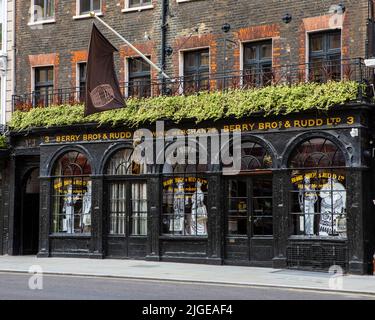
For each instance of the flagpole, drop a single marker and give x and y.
(92, 14)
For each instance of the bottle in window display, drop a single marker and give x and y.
(198, 212)
(333, 207)
(177, 222)
(307, 199)
(68, 210)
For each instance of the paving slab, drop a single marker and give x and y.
(186, 272)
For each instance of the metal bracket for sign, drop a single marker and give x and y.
(93, 15)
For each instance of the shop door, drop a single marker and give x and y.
(30, 215)
(248, 219)
(127, 219)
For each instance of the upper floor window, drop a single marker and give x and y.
(43, 10)
(196, 70)
(82, 68)
(86, 6)
(2, 19)
(139, 78)
(325, 56)
(43, 87)
(137, 3)
(257, 63)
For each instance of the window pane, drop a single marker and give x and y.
(266, 51)
(316, 43)
(205, 58)
(117, 208)
(96, 5)
(139, 209)
(71, 197)
(85, 6)
(191, 60)
(317, 152)
(185, 206)
(134, 3)
(50, 8)
(335, 41)
(250, 52)
(319, 203)
(237, 207)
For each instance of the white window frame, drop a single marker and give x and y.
(86, 15)
(41, 66)
(32, 21)
(139, 8)
(4, 18)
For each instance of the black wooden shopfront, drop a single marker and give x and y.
(303, 197)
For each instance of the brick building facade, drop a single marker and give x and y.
(189, 25)
(302, 199)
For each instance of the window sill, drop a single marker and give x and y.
(137, 8)
(183, 238)
(38, 23)
(70, 235)
(318, 238)
(86, 15)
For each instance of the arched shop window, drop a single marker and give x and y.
(319, 189)
(249, 202)
(71, 194)
(185, 188)
(127, 194)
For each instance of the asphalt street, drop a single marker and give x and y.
(15, 286)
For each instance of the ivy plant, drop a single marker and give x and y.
(272, 100)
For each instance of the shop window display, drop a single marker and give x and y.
(185, 190)
(319, 189)
(72, 190)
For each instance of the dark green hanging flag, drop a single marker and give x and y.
(102, 86)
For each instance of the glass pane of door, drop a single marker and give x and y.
(262, 217)
(237, 207)
(117, 208)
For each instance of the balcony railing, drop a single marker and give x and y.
(320, 72)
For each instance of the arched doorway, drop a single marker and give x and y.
(30, 213)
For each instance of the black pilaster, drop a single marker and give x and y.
(44, 216)
(215, 220)
(280, 217)
(355, 226)
(153, 226)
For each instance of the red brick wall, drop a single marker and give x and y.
(77, 56)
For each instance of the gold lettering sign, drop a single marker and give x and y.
(298, 179)
(239, 127)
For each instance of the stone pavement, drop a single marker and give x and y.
(196, 273)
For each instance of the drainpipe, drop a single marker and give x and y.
(164, 26)
(14, 73)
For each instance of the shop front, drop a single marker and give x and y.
(300, 199)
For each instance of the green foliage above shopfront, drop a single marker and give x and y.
(3, 142)
(273, 100)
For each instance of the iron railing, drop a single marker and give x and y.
(253, 77)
